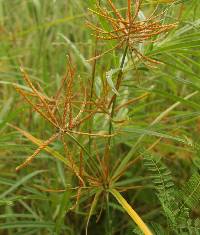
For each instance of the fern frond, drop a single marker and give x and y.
(160, 175)
(191, 191)
(176, 204)
(162, 180)
(191, 227)
(157, 229)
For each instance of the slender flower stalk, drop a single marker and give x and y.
(113, 100)
(128, 31)
(91, 93)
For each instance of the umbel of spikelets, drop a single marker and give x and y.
(66, 111)
(129, 30)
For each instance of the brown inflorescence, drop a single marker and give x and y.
(129, 30)
(66, 111)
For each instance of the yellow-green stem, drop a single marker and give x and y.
(133, 214)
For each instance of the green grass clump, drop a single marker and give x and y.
(100, 117)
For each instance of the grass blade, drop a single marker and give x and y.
(133, 214)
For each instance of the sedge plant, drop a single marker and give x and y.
(72, 110)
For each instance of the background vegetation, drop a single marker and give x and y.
(165, 119)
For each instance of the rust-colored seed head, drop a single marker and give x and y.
(66, 111)
(129, 30)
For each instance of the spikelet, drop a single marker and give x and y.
(38, 150)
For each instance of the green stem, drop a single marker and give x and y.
(108, 218)
(91, 95)
(92, 163)
(118, 83)
(119, 79)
